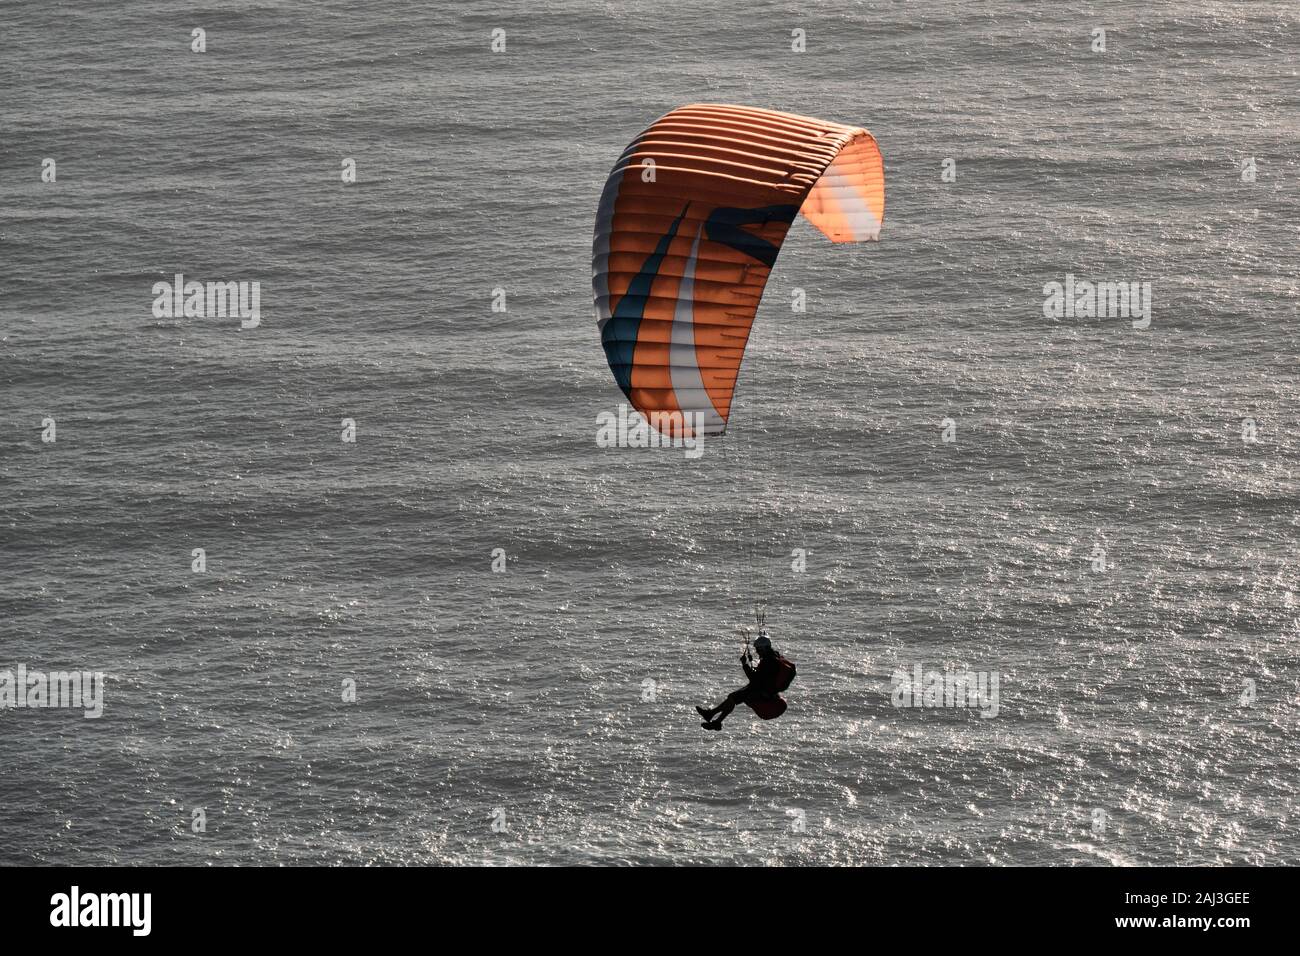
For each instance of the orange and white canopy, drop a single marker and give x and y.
(687, 231)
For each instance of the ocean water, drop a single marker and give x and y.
(501, 718)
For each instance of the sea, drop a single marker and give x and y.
(362, 584)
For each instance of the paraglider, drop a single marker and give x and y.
(688, 229)
(767, 679)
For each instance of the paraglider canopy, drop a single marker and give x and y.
(688, 229)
